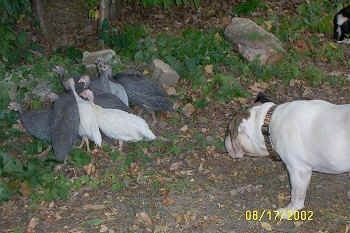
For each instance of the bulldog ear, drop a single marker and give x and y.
(262, 98)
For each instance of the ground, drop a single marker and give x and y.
(186, 182)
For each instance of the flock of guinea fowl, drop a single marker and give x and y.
(96, 110)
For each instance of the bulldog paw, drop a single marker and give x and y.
(287, 212)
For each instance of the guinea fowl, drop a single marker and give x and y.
(118, 124)
(35, 122)
(58, 124)
(64, 125)
(104, 99)
(142, 91)
(88, 128)
(63, 80)
(105, 73)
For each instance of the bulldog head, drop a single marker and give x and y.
(243, 134)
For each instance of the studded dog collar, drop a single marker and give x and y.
(265, 130)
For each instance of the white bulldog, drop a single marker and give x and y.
(308, 135)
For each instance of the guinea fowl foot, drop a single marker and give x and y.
(85, 140)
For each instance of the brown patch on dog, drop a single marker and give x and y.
(232, 128)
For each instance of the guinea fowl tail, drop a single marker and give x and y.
(158, 103)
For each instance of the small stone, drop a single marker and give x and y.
(164, 73)
(348, 195)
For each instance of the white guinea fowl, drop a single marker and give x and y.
(88, 128)
(119, 124)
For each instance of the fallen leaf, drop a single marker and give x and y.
(93, 207)
(134, 168)
(208, 69)
(25, 190)
(298, 223)
(266, 226)
(175, 166)
(268, 24)
(52, 204)
(188, 110)
(103, 228)
(90, 169)
(184, 128)
(168, 201)
(32, 224)
(257, 87)
(143, 217)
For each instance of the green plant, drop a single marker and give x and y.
(247, 7)
(224, 88)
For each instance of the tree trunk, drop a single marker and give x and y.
(104, 14)
(37, 8)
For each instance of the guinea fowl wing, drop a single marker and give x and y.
(121, 125)
(107, 100)
(64, 125)
(36, 123)
(139, 83)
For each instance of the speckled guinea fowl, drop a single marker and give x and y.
(35, 122)
(107, 84)
(141, 90)
(118, 124)
(88, 128)
(64, 125)
(63, 80)
(104, 99)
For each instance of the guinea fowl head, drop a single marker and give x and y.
(85, 79)
(88, 95)
(106, 69)
(59, 70)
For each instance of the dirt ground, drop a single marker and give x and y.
(206, 191)
(213, 192)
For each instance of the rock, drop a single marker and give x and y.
(164, 73)
(253, 42)
(89, 59)
(348, 195)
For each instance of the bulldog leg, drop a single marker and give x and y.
(299, 180)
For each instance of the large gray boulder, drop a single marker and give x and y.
(253, 42)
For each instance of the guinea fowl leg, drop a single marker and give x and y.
(45, 152)
(84, 140)
(120, 145)
(154, 118)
